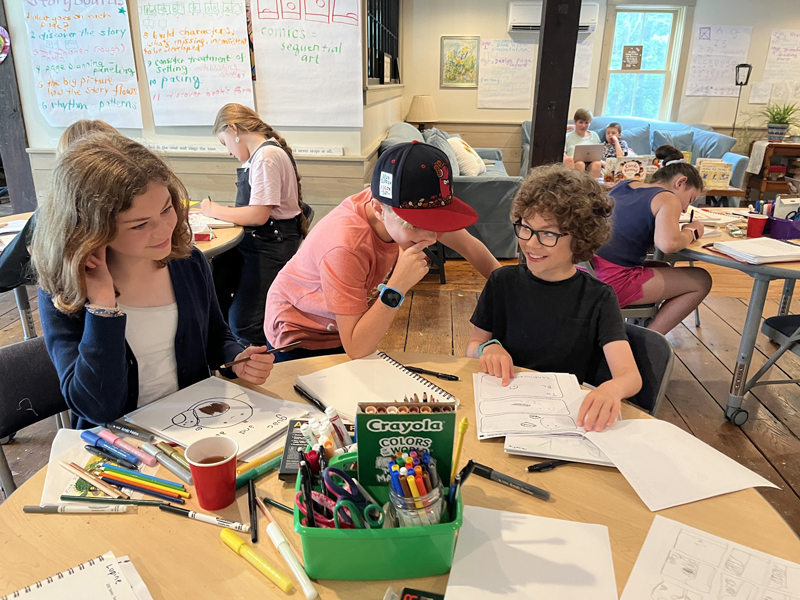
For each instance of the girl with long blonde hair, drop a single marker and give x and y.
(127, 305)
(268, 206)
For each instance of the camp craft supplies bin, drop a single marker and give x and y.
(370, 554)
(782, 229)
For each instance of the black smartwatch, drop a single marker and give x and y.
(390, 296)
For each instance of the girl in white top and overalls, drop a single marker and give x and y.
(268, 206)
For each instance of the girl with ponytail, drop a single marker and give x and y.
(270, 208)
(647, 215)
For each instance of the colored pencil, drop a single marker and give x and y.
(269, 516)
(124, 481)
(95, 481)
(136, 488)
(139, 475)
(96, 500)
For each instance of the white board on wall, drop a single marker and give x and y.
(82, 60)
(716, 50)
(196, 57)
(783, 56)
(308, 62)
(505, 76)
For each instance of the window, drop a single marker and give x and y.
(646, 91)
(383, 47)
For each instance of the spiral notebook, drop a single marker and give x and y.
(375, 378)
(103, 578)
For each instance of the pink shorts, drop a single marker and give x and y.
(626, 281)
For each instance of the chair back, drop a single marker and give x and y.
(15, 267)
(29, 386)
(654, 357)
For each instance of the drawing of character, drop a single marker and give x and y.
(736, 589)
(688, 571)
(746, 566)
(671, 591)
(703, 549)
(214, 413)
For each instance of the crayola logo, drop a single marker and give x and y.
(404, 427)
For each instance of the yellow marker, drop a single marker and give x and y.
(462, 429)
(238, 545)
(259, 461)
(422, 515)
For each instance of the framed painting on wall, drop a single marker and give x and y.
(459, 61)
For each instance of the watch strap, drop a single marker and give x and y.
(382, 287)
(489, 343)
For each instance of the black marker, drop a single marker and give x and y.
(521, 486)
(546, 466)
(310, 398)
(110, 457)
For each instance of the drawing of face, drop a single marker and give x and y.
(214, 413)
(671, 591)
(557, 422)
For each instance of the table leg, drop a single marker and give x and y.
(786, 299)
(755, 309)
(25, 315)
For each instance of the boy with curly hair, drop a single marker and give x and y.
(547, 315)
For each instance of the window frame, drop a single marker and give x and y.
(677, 55)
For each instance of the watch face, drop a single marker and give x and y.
(391, 298)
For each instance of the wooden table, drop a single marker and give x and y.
(760, 182)
(762, 275)
(178, 558)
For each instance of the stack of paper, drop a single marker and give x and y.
(215, 407)
(103, 578)
(557, 447)
(198, 220)
(707, 217)
(510, 556)
(758, 251)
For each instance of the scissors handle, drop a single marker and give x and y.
(351, 511)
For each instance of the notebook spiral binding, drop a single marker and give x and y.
(48, 580)
(426, 382)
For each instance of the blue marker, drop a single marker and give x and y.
(96, 440)
(395, 475)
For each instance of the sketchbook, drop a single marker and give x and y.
(69, 447)
(684, 563)
(557, 447)
(667, 466)
(216, 407)
(511, 556)
(532, 404)
(375, 378)
(759, 251)
(199, 219)
(103, 578)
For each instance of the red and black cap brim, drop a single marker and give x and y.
(441, 219)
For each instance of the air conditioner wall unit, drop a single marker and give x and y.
(525, 16)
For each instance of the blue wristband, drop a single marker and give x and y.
(489, 343)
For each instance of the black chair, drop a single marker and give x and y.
(29, 393)
(16, 273)
(436, 254)
(654, 357)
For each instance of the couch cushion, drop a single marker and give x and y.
(498, 169)
(638, 138)
(438, 139)
(400, 133)
(708, 144)
(469, 163)
(682, 140)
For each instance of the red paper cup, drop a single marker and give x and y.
(755, 224)
(214, 480)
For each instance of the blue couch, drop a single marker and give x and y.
(490, 193)
(640, 135)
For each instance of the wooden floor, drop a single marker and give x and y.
(436, 319)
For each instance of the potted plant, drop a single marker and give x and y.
(779, 117)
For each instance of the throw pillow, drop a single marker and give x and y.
(438, 139)
(708, 144)
(638, 138)
(399, 133)
(469, 163)
(682, 140)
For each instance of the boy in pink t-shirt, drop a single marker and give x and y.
(331, 296)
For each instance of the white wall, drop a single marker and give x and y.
(424, 22)
(42, 135)
(763, 16)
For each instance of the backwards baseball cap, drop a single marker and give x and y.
(416, 181)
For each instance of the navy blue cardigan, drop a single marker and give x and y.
(97, 369)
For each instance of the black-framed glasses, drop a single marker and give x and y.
(546, 238)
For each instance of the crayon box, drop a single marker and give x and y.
(381, 435)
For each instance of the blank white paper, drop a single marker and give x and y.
(522, 557)
(678, 562)
(667, 466)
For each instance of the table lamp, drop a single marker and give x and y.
(422, 111)
(743, 71)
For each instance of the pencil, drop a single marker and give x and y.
(95, 481)
(278, 505)
(138, 475)
(251, 504)
(246, 358)
(136, 488)
(269, 516)
(127, 482)
(691, 216)
(96, 500)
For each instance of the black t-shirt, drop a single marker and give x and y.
(558, 326)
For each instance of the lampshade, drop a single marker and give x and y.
(422, 110)
(743, 74)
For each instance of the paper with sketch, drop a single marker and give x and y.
(69, 447)
(215, 407)
(512, 556)
(678, 562)
(561, 447)
(668, 467)
(532, 403)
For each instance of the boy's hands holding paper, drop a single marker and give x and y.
(599, 410)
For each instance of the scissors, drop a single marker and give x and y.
(351, 502)
(320, 519)
(793, 216)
